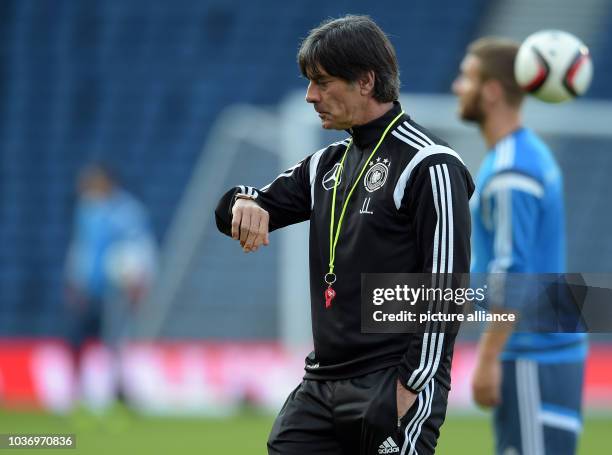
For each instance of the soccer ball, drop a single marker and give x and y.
(553, 66)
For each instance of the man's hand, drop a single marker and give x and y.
(405, 399)
(486, 382)
(250, 224)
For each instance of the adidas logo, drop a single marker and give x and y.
(388, 446)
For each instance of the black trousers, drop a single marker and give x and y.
(357, 416)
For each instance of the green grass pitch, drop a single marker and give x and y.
(122, 432)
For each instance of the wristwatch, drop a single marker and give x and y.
(244, 196)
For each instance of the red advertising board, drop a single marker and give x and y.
(202, 378)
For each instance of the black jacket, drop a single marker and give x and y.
(408, 214)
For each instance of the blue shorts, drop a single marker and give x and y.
(540, 413)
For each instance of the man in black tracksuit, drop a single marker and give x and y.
(390, 198)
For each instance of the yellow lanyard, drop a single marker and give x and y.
(330, 277)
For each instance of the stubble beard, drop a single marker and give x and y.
(473, 112)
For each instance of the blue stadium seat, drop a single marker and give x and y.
(139, 84)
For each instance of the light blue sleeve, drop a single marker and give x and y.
(514, 201)
(513, 204)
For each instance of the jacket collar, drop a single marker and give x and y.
(366, 135)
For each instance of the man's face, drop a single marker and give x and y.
(336, 101)
(95, 185)
(468, 88)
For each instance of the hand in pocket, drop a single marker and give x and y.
(405, 399)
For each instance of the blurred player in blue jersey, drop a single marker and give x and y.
(533, 380)
(110, 268)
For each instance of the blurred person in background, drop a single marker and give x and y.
(397, 198)
(533, 381)
(109, 271)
